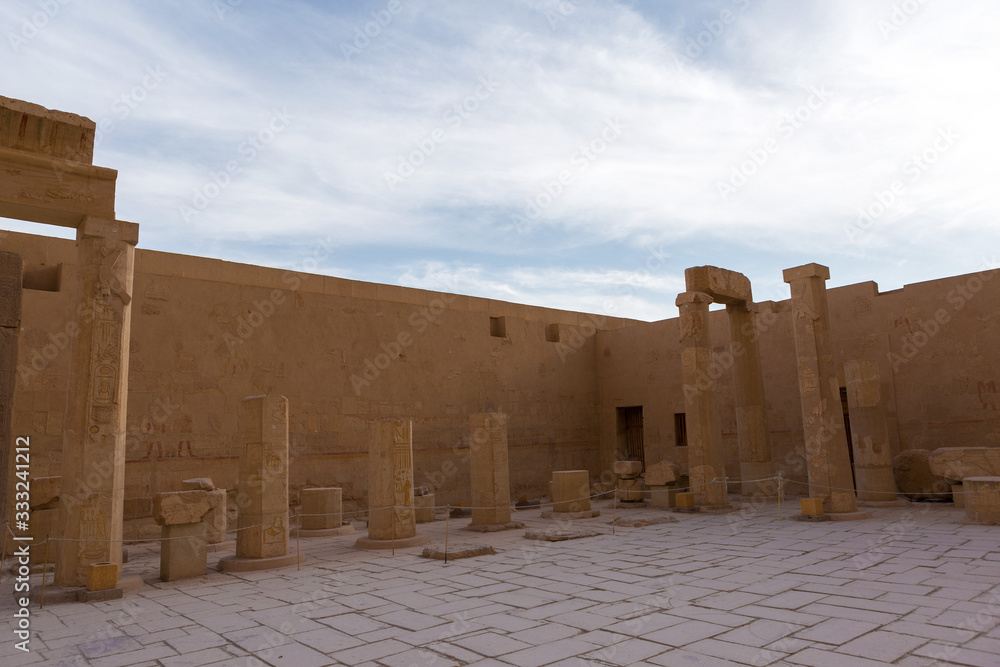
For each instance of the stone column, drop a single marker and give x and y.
(93, 456)
(391, 519)
(706, 461)
(11, 273)
(490, 472)
(869, 431)
(751, 418)
(263, 518)
(827, 456)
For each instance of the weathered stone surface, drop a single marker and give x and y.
(661, 474)
(458, 551)
(915, 479)
(45, 492)
(423, 508)
(723, 285)
(873, 477)
(102, 576)
(957, 463)
(322, 508)
(198, 484)
(982, 499)
(558, 535)
(493, 527)
(184, 550)
(263, 519)
(642, 522)
(180, 507)
(391, 517)
(571, 491)
(627, 468)
(489, 468)
(215, 520)
(422, 491)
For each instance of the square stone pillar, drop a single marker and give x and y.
(706, 461)
(751, 417)
(262, 526)
(93, 456)
(827, 457)
(490, 469)
(869, 431)
(391, 519)
(11, 273)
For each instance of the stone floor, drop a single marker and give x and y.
(911, 586)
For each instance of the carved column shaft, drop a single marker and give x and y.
(706, 461)
(489, 467)
(869, 431)
(93, 465)
(11, 273)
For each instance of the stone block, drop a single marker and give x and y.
(661, 474)
(958, 495)
(183, 551)
(631, 490)
(322, 508)
(423, 508)
(198, 484)
(684, 500)
(982, 499)
(627, 469)
(662, 497)
(723, 285)
(44, 492)
(455, 551)
(102, 576)
(571, 491)
(812, 506)
(489, 468)
(915, 479)
(957, 463)
(216, 519)
(180, 507)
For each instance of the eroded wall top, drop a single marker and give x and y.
(31, 127)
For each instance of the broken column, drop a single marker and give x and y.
(630, 489)
(391, 519)
(183, 537)
(11, 272)
(571, 496)
(869, 431)
(262, 525)
(827, 457)
(751, 417)
(489, 473)
(706, 461)
(93, 455)
(982, 501)
(323, 512)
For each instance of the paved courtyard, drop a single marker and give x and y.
(912, 586)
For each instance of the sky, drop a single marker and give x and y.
(571, 154)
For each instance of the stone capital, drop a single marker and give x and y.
(119, 230)
(689, 298)
(806, 271)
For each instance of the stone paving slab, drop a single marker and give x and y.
(912, 586)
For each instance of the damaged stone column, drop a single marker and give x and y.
(869, 431)
(706, 462)
(11, 273)
(391, 519)
(93, 463)
(490, 473)
(827, 457)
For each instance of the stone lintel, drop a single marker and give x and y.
(723, 285)
(687, 298)
(93, 227)
(806, 271)
(33, 128)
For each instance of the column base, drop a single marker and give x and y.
(236, 564)
(493, 527)
(589, 514)
(346, 529)
(57, 594)
(402, 543)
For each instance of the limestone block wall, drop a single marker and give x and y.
(207, 333)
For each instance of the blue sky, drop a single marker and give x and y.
(575, 155)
